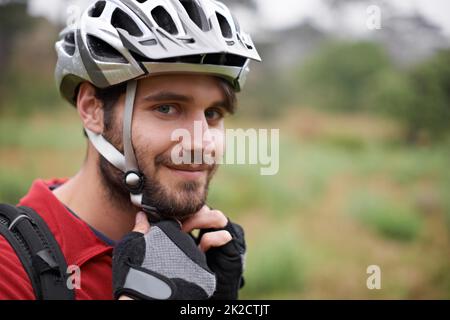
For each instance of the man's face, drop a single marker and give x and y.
(164, 104)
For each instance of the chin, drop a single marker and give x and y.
(177, 197)
(194, 196)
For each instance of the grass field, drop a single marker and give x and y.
(349, 194)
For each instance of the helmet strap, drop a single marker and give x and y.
(134, 180)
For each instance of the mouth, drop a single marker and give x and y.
(189, 172)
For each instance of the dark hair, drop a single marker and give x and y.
(230, 95)
(110, 95)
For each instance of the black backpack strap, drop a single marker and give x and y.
(37, 250)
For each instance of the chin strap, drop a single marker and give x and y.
(134, 180)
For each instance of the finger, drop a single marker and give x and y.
(214, 239)
(205, 218)
(141, 225)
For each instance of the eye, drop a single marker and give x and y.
(213, 114)
(167, 109)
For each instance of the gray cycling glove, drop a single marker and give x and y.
(164, 264)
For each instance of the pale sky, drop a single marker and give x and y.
(282, 13)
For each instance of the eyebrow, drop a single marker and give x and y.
(167, 95)
(172, 96)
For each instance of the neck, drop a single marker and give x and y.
(87, 196)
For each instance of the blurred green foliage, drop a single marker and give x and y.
(359, 77)
(341, 75)
(419, 97)
(391, 218)
(14, 20)
(14, 17)
(268, 96)
(274, 264)
(25, 95)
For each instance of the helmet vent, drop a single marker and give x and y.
(104, 52)
(97, 9)
(141, 1)
(69, 43)
(219, 59)
(164, 20)
(224, 26)
(189, 41)
(224, 59)
(120, 19)
(149, 42)
(196, 14)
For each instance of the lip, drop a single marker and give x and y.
(190, 173)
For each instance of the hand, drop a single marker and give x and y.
(224, 244)
(160, 262)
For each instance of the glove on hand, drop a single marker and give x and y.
(227, 262)
(164, 264)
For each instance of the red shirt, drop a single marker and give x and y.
(79, 244)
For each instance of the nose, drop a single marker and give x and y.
(201, 138)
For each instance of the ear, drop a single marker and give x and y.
(90, 109)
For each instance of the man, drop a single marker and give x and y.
(136, 71)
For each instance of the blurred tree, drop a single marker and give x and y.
(13, 20)
(267, 97)
(340, 76)
(392, 94)
(420, 97)
(430, 110)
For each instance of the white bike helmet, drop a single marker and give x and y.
(117, 41)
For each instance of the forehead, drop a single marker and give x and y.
(201, 87)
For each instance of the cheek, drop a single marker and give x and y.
(152, 138)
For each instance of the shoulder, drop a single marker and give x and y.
(14, 281)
